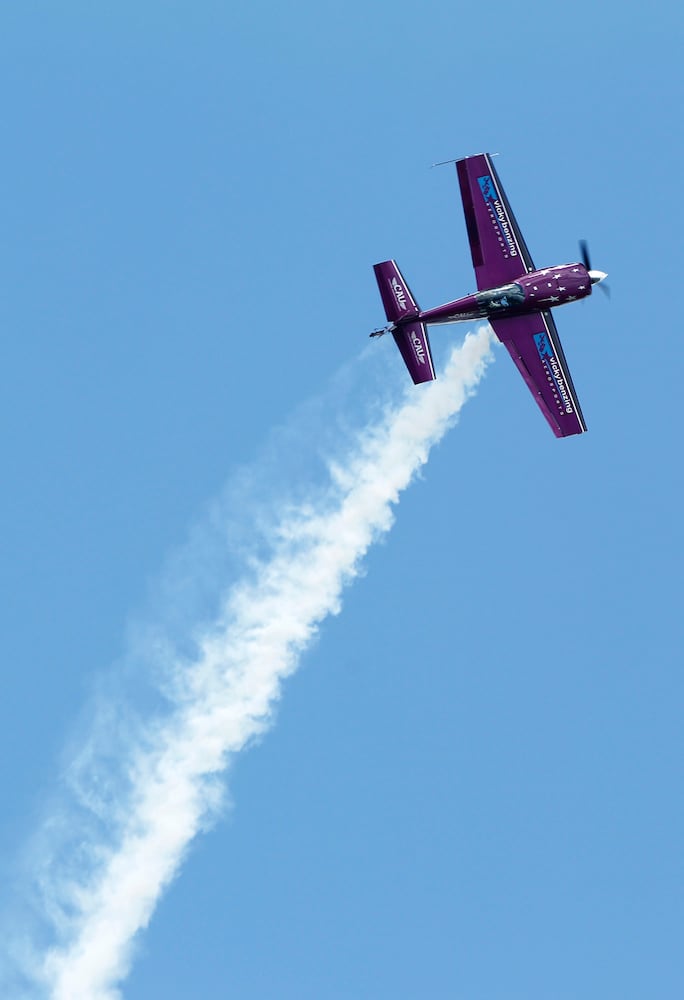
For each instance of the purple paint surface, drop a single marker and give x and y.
(515, 297)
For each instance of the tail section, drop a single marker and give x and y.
(401, 309)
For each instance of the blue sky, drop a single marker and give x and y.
(472, 787)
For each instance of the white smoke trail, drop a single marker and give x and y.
(226, 695)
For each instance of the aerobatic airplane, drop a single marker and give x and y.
(516, 298)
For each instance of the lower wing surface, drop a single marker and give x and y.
(532, 341)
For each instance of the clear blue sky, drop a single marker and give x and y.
(473, 787)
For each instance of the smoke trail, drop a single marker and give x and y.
(224, 697)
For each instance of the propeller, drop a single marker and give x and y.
(596, 276)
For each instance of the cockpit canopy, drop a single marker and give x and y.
(504, 297)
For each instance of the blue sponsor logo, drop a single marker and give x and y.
(543, 346)
(487, 187)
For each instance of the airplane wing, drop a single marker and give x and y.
(533, 343)
(496, 243)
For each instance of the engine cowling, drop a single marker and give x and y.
(553, 286)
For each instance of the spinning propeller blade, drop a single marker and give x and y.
(584, 250)
(596, 276)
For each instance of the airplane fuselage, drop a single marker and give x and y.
(535, 290)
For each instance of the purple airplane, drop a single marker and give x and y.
(515, 298)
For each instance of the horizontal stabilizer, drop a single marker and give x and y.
(414, 345)
(396, 295)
